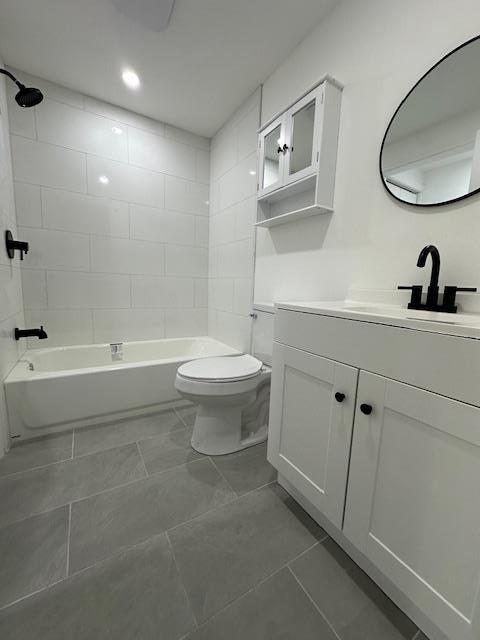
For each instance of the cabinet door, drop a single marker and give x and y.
(310, 431)
(303, 130)
(413, 501)
(272, 157)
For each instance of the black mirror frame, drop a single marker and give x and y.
(384, 182)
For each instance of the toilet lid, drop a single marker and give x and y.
(224, 368)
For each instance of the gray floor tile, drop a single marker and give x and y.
(352, 603)
(36, 453)
(278, 608)
(30, 492)
(187, 414)
(247, 469)
(228, 551)
(136, 595)
(90, 439)
(168, 450)
(33, 554)
(107, 523)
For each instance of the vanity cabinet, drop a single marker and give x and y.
(311, 424)
(392, 468)
(297, 153)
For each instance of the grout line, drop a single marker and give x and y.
(73, 442)
(69, 531)
(221, 474)
(314, 603)
(142, 459)
(29, 595)
(181, 580)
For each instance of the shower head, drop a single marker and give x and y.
(26, 96)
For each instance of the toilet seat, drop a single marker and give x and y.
(221, 369)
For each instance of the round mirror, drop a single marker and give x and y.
(431, 150)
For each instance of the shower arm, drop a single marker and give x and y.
(12, 77)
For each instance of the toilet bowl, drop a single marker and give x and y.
(232, 395)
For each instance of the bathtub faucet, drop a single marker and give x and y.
(41, 334)
(116, 349)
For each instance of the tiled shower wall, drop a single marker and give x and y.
(11, 305)
(232, 234)
(115, 208)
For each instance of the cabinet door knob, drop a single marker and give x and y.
(366, 409)
(339, 397)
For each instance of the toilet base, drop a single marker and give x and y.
(218, 431)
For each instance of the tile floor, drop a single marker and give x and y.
(124, 532)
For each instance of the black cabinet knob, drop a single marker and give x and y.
(339, 397)
(366, 409)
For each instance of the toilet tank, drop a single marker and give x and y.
(262, 332)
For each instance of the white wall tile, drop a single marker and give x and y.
(70, 290)
(184, 195)
(10, 292)
(245, 216)
(67, 126)
(221, 293)
(203, 166)
(247, 136)
(48, 165)
(234, 330)
(185, 322)
(127, 183)
(28, 204)
(201, 292)
(242, 296)
(62, 327)
(181, 135)
(122, 115)
(184, 261)
(157, 153)
(68, 211)
(121, 325)
(224, 226)
(34, 284)
(157, 292)
(239, 183)
(224, 153)
(201, 231)
(115, 255)
(235, 259)
(161, 225)
(50, 249)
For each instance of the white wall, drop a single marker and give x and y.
(378, 49)
(127, 260)
(11, 305)
(232, 215)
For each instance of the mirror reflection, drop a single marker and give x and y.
(302, 138)
(431, 151)
(271, 165)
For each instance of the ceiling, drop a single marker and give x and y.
(194, 74)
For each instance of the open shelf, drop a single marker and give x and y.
(305, 212)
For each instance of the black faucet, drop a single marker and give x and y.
(449, 295)
(432, 291)
(41, 334)
(14, 245)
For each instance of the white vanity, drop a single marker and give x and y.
(375, 430)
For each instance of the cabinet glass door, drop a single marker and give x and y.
(272, 155)
(302, 123)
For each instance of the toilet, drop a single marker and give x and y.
(231, 393)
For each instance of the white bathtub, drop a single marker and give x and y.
(56, 389)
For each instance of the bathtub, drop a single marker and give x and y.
(51, 390)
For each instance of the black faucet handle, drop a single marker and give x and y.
(416, 299)
(449, 297)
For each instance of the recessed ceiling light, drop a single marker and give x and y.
(117, 131)
(131, 79)
(103, 180)
(252, 173)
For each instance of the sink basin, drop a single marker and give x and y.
(461, 324)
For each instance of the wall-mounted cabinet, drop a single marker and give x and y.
(297, 157)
